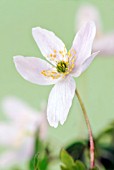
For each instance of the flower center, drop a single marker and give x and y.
(62, 66)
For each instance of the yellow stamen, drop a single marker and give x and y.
(61, 52)
(63, 67)
(54, 51)
(54, 56)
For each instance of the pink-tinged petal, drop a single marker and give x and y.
(88, 61)
(8, 133)
(30, 69)
(18, 140)
(105, 43)
(43, 127)
(83, 41)
(78, 71)
(60, 101)
(22, 154)
(23, 116)
(18, 110)
(88, 13)
(8, 160)
(49, 44)
(26, 150)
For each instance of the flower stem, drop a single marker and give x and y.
(92, 158)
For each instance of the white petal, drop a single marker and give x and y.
(89, 60)
(43, 127)
(83, 41)
(21, 114)
(105, 44)
(48, 42)
(15, 156)
(30, 68)
(7, 159)
(84, 66)
(26, 150)
(60, 101)
(87, 13)
(8, 133)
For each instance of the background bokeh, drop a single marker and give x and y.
(96, 85)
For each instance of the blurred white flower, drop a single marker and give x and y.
(18, 134)
(103, 41)
(60, 69)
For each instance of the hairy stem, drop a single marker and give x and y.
(92, 159)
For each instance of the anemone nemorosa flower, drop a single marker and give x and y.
(59, 69)
(102, 39)
(18, 134)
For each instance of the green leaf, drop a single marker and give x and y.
(95, 168)
(36, 162)
(79, 166)
(66, 159)
(43, 163)
(64, 168)
(76, 150)
(38, 146)
(41, 157)
(108, 131)
(106, 156)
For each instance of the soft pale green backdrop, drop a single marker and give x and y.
(96, 85)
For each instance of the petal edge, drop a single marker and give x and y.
(30, 69)
(60, 101)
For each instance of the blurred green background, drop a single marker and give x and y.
(96, 85)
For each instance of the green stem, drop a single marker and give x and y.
(92, 158)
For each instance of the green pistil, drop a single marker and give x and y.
(62, 67)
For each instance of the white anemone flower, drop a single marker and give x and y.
(102, 39)
(59, 69)
(18, 134)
